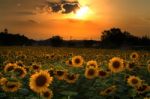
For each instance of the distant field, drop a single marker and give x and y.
(73, 73)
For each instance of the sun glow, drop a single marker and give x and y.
(82, 13)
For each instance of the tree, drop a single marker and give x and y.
(6, 30)
(88, 43)
(56, 41)
(112, 38)
(115, 38)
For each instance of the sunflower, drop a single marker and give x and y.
(116, 65)
(9, 67)
(1, 75)
(60, 74)
(70, 54)
(3, 81)
(102, 73)
(40, 81)
(92, 63)
(134, 81)
(109, 90)
(26, 68)
(125, 63)
(47, 56)
(131, 66)
(20, 72)
(52, 55)
(142, 89)
(71, 78)
(148, 62)
(36, 67)
(90, 73)
(20, 63)
(11, 86)
(69, 62)
(148, 68)
(134, 56)
(77, 61)
(51, 71)
(47, 94)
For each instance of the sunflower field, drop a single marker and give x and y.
(73, 73)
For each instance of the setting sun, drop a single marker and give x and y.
(82, 13)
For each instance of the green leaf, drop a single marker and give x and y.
(69, 93)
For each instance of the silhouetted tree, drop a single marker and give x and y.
(115, 38)
(6, 30)
(145, 41)
(56, 41)
(88, 43)
(112, 38)
(14, 39)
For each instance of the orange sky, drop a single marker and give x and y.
(27, 18)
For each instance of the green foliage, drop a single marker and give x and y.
(83, 87)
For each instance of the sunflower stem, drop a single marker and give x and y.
(39, 96)
(68, 97)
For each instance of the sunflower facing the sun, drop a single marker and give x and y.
(77, 61)
(40, 81)
(116, 65)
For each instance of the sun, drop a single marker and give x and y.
(82, 13)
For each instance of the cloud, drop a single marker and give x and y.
(32, 21)
(70, 8)
(61, 6)
(55, 7)
(25, 13)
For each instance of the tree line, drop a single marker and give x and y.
(112, 38)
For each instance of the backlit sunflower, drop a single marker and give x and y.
(125, 64)
(148, 62)
(69, 62)
(108, 91)
(47, 94)
(134, 56)
(9, 67)
(134, 81)
(20, 72)
(52, 56)
(51, 71)
(60, 74)
(92, 63)
(36, 67)
(146, 98)
(3, 81)
(102, 73)
(90, 73)
(71, 78)
(26, 68)
(40, 81)
(1, 75)
(20, 63)
(142, 89)
(11, 86)
(131, 66)
(116, 65)
(77, 61)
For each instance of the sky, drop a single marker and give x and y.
(74, 19)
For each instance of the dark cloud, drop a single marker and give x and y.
(55, 7)
(70, 8)
(62, 6)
